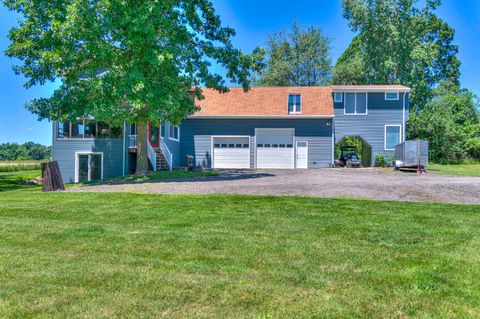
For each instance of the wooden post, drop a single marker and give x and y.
(51, 177)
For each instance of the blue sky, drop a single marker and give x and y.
(253, 20)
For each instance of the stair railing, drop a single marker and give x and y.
(166, 153)
(152, 155)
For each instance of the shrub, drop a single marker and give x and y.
(383, 160)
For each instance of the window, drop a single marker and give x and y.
(391, 96)
(162, 129)
(356, 103)
(338, 97)
(392, 136)
(63, 129)
(77, 129)
(294, 103)
(133, 129)
(174, 132)
(103, 130)
(90, 128)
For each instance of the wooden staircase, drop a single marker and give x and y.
(162, 164)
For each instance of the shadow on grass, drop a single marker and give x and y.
(174, 177)
(13, 180)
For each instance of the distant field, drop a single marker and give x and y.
(17, 166)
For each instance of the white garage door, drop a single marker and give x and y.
(275, 148)
(231, 152)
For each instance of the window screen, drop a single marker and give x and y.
(294, 101)
(361, 103)
(350, 103)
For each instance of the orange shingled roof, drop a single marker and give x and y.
(265, 101)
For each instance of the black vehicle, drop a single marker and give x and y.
(348, 157)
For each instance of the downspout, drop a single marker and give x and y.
(403, 115)
(124, 154)
(333, 143)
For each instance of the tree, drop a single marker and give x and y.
(300, 57)
(451, 124)
(400, 42)
(22, 152)
(126, 60)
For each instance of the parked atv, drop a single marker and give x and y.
(348, 157)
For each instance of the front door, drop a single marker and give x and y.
(89, 167)
(302, 154)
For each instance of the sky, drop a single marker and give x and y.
(253, 21)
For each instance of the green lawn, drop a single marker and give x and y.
(462, 170)
(154, 176)
(11, 180)
(105, 255)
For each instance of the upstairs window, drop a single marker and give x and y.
(174, 132)
(78, 129)
(294, 103)
(356, 103)
(63, 130)
(392, 96)
(338, 97)
(87, 129)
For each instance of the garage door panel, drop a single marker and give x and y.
(275, 148)
(231, 152)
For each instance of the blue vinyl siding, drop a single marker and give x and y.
(64, 152)
(196, 135)
(371, 127)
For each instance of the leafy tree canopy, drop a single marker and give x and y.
(23, 152)
(451, 123)
(398, 42)
(123, 59)
(298, 57)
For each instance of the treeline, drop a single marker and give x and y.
(397, 42)
(24, 152)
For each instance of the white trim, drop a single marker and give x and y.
(403, 117)
(212, 156)
(169, 131)
(277, 128)
(394, 99)
(292, 116)
(366, 104)
(385, 136)
(333, 142)
(335, 97)
(296, 147)
(366, 89)
(86, 153)
(294, 105)
(124, 142)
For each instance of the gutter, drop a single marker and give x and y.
(290, 117)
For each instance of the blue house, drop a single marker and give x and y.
(265, 128)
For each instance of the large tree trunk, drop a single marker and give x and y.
(142, 155)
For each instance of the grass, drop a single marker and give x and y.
(11, 180)
(106, 255)
(17, 166)
(153, 176)
(462, 170)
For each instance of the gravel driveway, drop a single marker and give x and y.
(355, 183)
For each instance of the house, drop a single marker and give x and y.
(267, 127)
